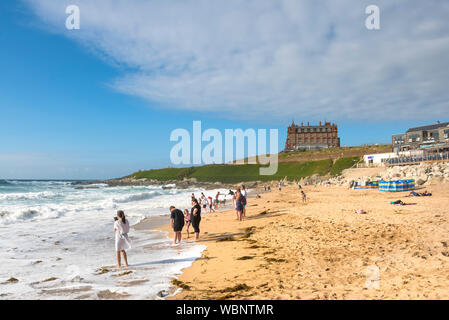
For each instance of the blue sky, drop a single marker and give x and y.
(102, 102)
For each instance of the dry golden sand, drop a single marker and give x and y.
(323, 250)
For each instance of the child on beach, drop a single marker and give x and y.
(122, 243)
(187, 221)
(304, 197)
(204, 202)
(211, 204)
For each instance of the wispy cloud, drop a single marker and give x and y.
(276, 59)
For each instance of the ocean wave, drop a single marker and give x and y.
(137, 197)
(4, 182)
(44, 195)
(4, 213)
(31, 214)
(10, 217)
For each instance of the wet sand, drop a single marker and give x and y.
(322, 249)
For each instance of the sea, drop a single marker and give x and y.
(57, 240)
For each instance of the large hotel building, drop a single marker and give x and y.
(312, 137)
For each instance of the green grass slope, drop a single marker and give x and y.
(249, 172)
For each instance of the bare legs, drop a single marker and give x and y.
(239, 215)
(177, 237)
(188, 233)
(125, 258)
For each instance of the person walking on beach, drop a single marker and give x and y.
(195, 217)
(203, 201)
(304, 197)
(122, 243)
(187, 221)
(211, 204)
(177, 223)
(217, 201)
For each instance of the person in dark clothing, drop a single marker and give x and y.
(177, 223)
(195, 217)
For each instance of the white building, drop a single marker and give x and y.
(378, 159)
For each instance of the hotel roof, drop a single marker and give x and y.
(429, 127)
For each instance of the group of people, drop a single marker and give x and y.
(180, 219)
(239, 202)
(207, 203)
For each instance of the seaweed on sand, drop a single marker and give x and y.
(229, 238)
(245, 258)
(236, 288)
(180, 284)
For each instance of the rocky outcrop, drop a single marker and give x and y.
(169, 184)
(423, 174)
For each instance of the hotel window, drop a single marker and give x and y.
(398, 139)
(434, 135)
(413, 137)
(446, 134)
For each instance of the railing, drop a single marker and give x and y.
(417, 159)
(369, 165)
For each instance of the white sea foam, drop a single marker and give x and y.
(52, 229)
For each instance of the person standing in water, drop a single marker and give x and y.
(177, 223)
(195, 217)
(122, 243)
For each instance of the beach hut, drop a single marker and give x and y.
(397, 185)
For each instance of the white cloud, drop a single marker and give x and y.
(272, 59)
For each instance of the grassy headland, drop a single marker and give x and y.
(249, 172)
(293, 165)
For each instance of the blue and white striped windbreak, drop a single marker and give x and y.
(397, 185)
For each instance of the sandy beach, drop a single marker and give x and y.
(322, 249)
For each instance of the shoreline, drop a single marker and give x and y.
(322, 249)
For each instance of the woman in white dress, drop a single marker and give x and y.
(122, 243)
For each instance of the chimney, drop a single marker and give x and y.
(308, 123)
(302, 124)
(320, 123)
